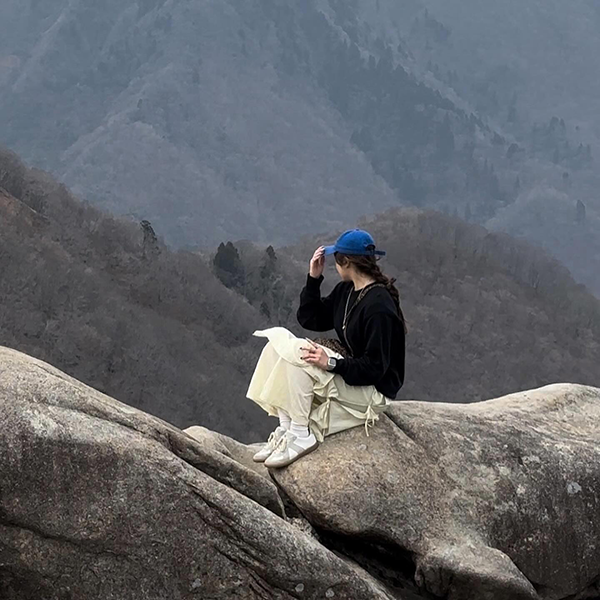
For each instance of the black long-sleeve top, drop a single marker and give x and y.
(374, 333)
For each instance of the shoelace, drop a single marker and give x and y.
(271, 439)
(282, 444)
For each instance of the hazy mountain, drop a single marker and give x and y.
(266, 120)
(180, 113)
(538, 57)
(529, 70)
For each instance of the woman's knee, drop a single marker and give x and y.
(270, 352)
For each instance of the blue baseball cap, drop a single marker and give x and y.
(354, 241)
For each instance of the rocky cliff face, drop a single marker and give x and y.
(496, 500)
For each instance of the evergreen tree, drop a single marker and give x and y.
(150, 246)
(228, 266)
(269, 264)
(512, 150)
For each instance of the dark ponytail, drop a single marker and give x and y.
(368, 265)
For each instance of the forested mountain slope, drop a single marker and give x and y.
(538, 58)
(529, 71)
(267, 120)
(95, 297)
(107, 302)
(487, 314)
(181, 113)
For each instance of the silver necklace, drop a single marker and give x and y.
(363, 291)
(360, 296)
(344, 322)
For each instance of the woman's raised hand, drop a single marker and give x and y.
(317, 262)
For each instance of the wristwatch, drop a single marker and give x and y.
(331, 362)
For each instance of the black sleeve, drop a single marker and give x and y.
(315, 313)
(375, 361)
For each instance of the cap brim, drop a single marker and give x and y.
(329, 250)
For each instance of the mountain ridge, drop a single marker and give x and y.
(267, 121)
(110, 304)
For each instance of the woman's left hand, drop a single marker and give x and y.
(315, 355)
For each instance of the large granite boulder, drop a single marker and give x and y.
(497, 500)
(494, 500)
(100, 501)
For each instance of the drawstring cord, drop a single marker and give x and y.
(372, 416)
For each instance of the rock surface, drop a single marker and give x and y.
(497, 500)
(98, 500)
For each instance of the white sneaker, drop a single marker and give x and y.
(268, 448)
(291, 447)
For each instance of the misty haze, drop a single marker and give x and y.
(300, 299)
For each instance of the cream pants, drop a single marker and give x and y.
(310, 395)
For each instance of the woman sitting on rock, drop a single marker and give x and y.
(317, 389)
